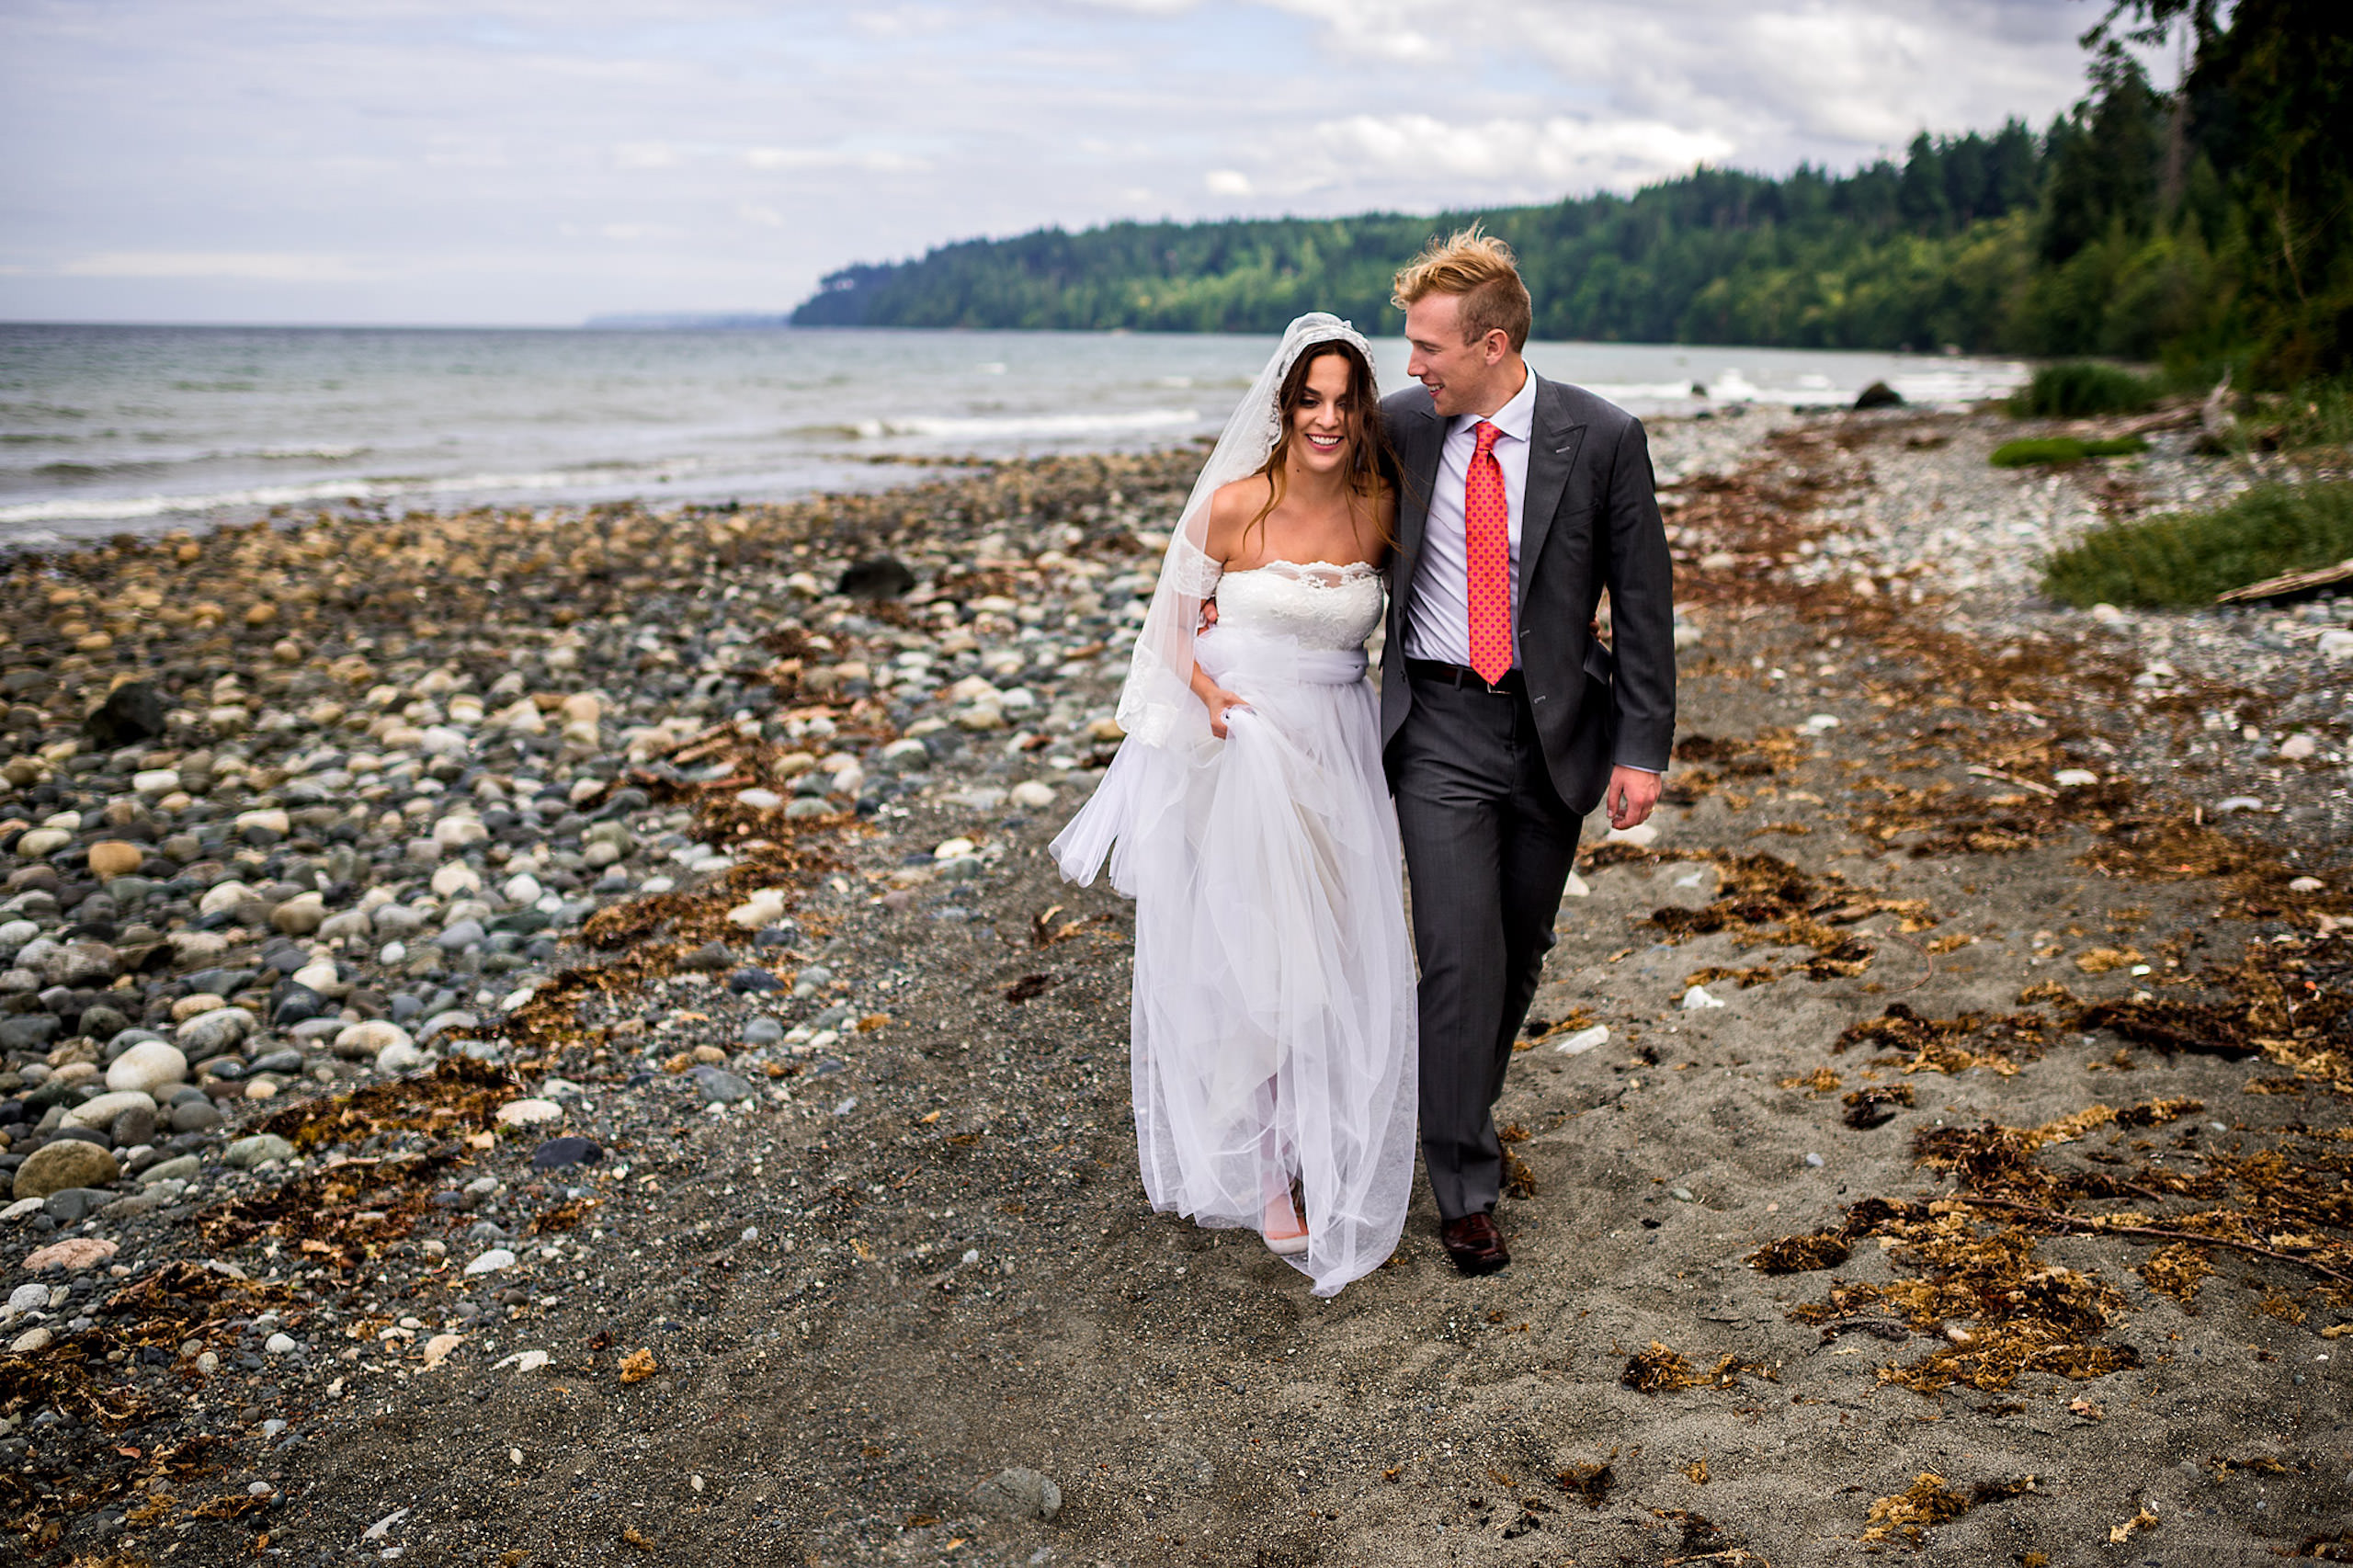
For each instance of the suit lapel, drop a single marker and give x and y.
(1553, 440)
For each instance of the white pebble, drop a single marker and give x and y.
(1697, 997)
(1583, 1040)
(2074, 778)
(492, 1262)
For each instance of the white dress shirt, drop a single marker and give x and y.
(1437, 619)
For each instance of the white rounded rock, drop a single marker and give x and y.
(147, 1066)
(345, 923)
(399, 1057)
(456, 832)
(362, 1040)
(220, 897)
(765, 908)
(521, 888)
(2297, 747)
(454, 879)
(101, 1110)
(529, 1113)
(214, 1030)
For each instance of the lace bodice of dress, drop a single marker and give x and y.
(1317, 605)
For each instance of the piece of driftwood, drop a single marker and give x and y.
(2288, 584)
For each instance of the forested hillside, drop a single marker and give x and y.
(2207, 226)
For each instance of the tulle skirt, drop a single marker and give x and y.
(1273, 1016)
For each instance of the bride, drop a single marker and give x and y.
(1273, 1014)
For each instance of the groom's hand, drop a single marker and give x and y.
(1633, 792)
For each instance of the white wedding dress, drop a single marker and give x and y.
(1274, 1025)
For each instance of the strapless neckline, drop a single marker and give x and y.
(1348, 571)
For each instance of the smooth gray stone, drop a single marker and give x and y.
(71, 1205)
(145, 1201)
(259, 1149)
(716, 1084)
(443, 1023)
(179, 1168)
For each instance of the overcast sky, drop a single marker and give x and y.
(541, 161)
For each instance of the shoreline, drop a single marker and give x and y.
(859, 1239)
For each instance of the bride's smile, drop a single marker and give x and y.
(1324, 420)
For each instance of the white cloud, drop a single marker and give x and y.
(880, 163)
(1514, 155)
(1399, 30)
(466, 149)
(268, 266)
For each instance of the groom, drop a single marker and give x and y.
(1504, 721)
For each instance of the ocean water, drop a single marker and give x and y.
(108, 429)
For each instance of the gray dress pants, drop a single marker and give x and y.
(1489, 845)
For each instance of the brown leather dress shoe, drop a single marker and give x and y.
(1474, 1243)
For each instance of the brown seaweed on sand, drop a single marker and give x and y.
(1660, 1370)
(1908, 1515)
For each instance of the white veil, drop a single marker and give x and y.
(1157, 706)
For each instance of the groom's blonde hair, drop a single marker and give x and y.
(1479, 269)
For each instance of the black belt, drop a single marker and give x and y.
(1510, 684)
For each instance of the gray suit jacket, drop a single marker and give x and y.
(1590, 520)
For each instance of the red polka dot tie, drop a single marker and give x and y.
(1486, 528)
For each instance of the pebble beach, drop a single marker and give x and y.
(549, 1036)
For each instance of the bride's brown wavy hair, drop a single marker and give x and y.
(1371, 463)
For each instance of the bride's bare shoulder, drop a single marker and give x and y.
(1231, 508)
(1241, 498)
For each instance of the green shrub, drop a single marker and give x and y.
(2078, 389)
(2186, 558)
(2058, 451)
(2317, 414)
